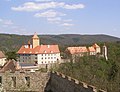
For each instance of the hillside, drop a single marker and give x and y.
(95, 70)
(13, 42)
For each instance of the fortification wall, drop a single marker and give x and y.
(43, 82)
(24, 81)
(60, 83)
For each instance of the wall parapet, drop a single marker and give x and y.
(78, 83)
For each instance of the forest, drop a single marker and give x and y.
(96, 70)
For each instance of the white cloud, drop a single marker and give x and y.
(49, 14)
(61, 22)
(1, 20)
(8, 22)
(10, 26)
(7, 0)
(74, 6)
(5, 26)
(36, 6)
(56, 20)
(67, 24)
(42, 0)
(32, 6)
(67, 20)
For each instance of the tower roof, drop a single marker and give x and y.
(35, 35)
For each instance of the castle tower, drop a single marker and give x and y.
(105, 52)
(35, 40)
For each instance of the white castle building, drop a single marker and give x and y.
(39, 54)
(2, 59)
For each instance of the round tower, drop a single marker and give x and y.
(105, 52)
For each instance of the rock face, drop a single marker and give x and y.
(42, 82)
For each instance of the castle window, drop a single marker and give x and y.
(13, 81)
(0, 79)
(51, 51)
(27, 81)
(44, 51)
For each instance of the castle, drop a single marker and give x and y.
(38, 53)
(95, 49)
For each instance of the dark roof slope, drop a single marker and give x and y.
(2, 55)
(9, 66)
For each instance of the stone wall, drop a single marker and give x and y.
(24, 81)
(43, 82)
(60, 83)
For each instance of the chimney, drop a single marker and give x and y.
(48, 46)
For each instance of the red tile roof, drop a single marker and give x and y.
(39, 49)
(2, 55)
(96, 46)
(91, 49)
(76, 50)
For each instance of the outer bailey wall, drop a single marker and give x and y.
(45, 82)
(61, 83)
(38, 81)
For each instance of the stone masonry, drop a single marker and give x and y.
(24, 81)
(43, 82)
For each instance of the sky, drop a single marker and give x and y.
(25, 17)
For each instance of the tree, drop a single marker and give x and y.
(11, 55)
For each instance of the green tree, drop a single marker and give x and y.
(11, 55)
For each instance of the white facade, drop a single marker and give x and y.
(41, 58)
(48, 58)
(2, 61)
(92, 53)
(98, 50)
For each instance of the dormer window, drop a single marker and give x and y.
(51, 51)
(45, 51)
(48, 46)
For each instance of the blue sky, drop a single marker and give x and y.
(60, 17)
